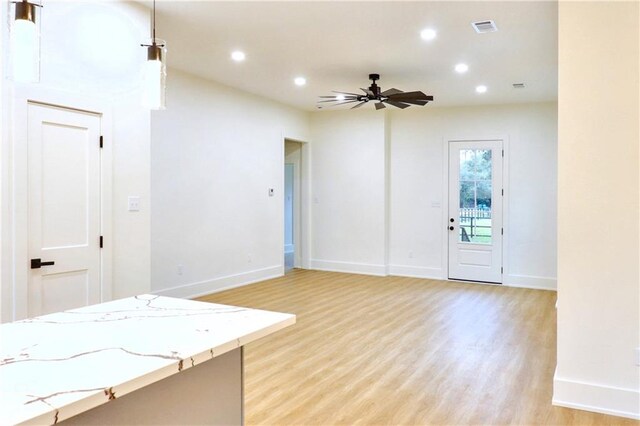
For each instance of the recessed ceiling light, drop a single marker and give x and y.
(238, 56)
(300, 81)
(428, 34)
(462, 68)
(340, 98)
(481, 89)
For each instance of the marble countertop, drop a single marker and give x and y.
(56, 366)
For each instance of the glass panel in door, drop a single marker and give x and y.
(475, 196)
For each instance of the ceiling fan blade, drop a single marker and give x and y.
(358, 106)
(411, 95)
(413, 101)
(391, 92)
(346, 93)
(415, 94)
(334, 99)
(337, 96)
(380, 105)
(341, 103)
(397, 104)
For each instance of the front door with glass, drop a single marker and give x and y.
(475, 210)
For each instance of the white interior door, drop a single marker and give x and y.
(64, 209)
(475, 211)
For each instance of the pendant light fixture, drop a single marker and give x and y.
(24, 41)
(155, 70)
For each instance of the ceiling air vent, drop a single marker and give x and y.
(484, 27)
(518, 85)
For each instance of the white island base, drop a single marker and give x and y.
(207, 394)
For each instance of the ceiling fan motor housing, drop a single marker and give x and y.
(374, 87)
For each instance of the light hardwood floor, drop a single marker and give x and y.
(402, 351)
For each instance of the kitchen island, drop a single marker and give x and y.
(142, 360)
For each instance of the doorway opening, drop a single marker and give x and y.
(292, 204)
(475, 217)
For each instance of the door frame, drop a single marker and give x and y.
(15, 271)
(304, 215)
(505, 201)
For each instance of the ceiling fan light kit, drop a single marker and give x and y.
(374, 93)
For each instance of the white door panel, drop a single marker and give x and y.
(64, 208)
(475, 211)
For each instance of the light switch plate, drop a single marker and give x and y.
(271, 192)
(134, 203)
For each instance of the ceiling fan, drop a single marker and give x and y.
(394, 97)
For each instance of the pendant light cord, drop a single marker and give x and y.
(153, 34)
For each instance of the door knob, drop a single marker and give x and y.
(452, 220)
(38, 263)
(451, 228)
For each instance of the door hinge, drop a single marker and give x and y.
(503, 152)
(101, 241)
(101, 141)
(503, 192)
(502, 270)
(501, 231)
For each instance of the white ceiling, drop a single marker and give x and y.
(335, 45)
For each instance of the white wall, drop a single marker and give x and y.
(348, 191)
(4, 136)
(216, 151)
(419, 199)
(598, 171)
(351, 207)
(90, 50)
(131, 177)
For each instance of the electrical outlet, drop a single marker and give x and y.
(180, 269)
(134, 203)
(638, 357)
(410, 255)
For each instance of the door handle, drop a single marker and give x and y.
(452, 220)
(451, 228)
(38, 263)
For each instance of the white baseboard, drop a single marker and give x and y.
(529, 281)
(417, 272)
(348, 267)
(215, 285)
(597, 398)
